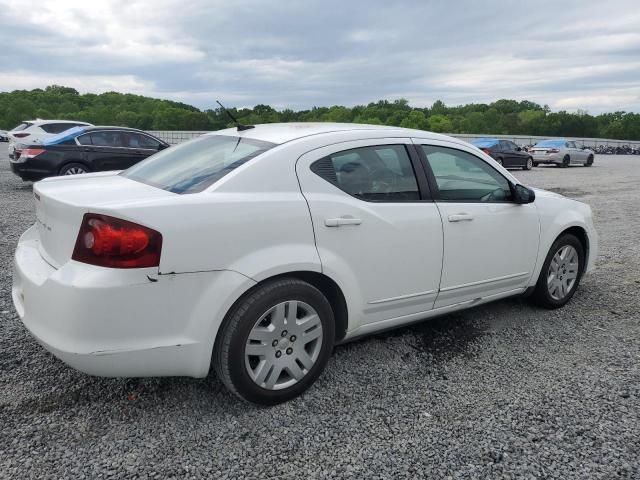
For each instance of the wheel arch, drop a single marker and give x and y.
(329, 288)
(581, 234)
(71, 161)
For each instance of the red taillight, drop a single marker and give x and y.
(111, 242)
(20, 135)
(486, 150)
(29, 152)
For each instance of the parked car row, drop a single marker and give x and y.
(253, 251)
(82, 149)
(560, 152)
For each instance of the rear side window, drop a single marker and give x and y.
(195, 165)
(22, 126)
(107, 139)
(377, 174)
(57, 127)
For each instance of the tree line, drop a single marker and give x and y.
(508, 117)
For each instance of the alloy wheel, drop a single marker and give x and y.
(563, 272)
(74, 171)
(283, 345)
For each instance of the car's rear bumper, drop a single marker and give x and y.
(25, 172)
(549, 159)
(119, 322)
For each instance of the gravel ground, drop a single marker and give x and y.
(504, 390)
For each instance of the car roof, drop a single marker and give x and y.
(42, 122)
(111, 127)
(286, 132)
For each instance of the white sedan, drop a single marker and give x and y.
(255, 251)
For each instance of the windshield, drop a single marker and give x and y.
(195, 165)
(484, 143)
(550, 143)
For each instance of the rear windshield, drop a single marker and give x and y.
(195, 165)
(484, 143)
(22, 126)
(550, 143)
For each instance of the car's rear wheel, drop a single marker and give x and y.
(529, 164)
(565, 161)
(74, 169)
(535, 164)
(589, 161)
(561, 272)
(275, 342)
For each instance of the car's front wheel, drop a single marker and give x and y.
(561, 272)
(275, 342)
(589, 161)
(529, 164)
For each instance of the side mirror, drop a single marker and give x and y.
(523, 194)
(519, 149)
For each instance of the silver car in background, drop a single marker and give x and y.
(560, 152)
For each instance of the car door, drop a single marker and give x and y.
(577, 155)
(519, 156)
(378, 233)
(105, 150)
(507, 154)
(490, 242)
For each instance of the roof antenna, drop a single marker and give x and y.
(239, 126)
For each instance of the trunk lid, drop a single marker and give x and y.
(61, 202)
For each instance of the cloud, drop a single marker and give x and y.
(580, 55)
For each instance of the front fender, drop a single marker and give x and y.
(558, 214)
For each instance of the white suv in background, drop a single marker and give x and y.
(34, 131)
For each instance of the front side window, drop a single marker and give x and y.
(138, 140)
(380, 173)
(462, 177)
(195, 165)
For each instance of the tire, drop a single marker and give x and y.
(247, 326)
(589, 161)
(552, 296)
(529, 164)
(565, 161)
(535, 164)
(73, 169)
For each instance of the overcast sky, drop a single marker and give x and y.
(567, 54)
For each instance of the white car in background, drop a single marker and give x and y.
(255, 251)
(34, 131)
(561, 152)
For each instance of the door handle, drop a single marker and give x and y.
(337, 222)
(461, 217)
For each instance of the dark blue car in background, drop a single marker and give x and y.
(505, 152)
(83, 150)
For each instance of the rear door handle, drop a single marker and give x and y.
(337, 222)
(461, 217)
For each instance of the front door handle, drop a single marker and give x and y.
(337, 222)
(461, 217)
